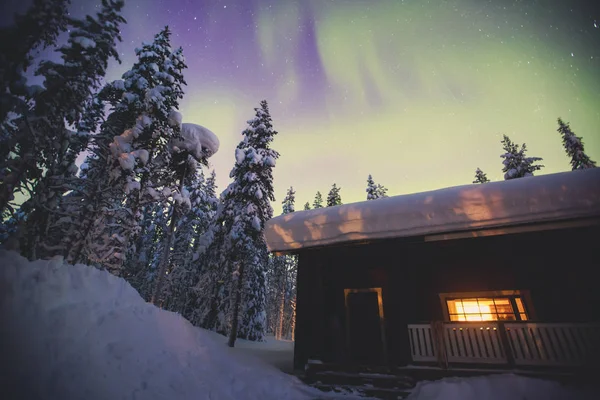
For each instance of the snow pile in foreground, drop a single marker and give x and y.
(497, 387)
(75, 332)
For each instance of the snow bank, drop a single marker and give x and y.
(197, 140)
(545, 198)
(75, 332)
(497, 387)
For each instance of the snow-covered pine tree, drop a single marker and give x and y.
(333, 197)
(37, 28)
(307, 206)
(208, 206)
(184, 274)
(288, 201)
(194, 146)
(574, 147)
(318, 202)
(67, 100)
(138, 163)
(371, 188)
(142, 276)
(480, 176)
(375, 191)
(188, 223)
(235, 262)
(516, 164)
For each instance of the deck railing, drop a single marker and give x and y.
(515, 343)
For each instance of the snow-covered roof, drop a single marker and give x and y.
(538, 199)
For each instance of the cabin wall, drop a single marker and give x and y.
(412, 275)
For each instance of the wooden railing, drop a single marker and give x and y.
(518, 343)
(552, 344)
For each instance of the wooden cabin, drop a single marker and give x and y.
(496, 274)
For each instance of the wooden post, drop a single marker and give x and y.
(293, 321)
(505, 344)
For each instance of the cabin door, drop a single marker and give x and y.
(364, 319)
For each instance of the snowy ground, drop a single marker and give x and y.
(278, 353)
(74, 332)
(80, 333)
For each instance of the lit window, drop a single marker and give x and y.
(508, 308)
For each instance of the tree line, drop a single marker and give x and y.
(517, 165)
(143, 205)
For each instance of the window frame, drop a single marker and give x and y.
(524, 295)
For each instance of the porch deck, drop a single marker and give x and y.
(506, 344)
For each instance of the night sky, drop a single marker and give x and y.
(417, 93)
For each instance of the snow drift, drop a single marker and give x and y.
(75, 332)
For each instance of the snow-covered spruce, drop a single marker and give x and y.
(574, 147)
(57, 127)
(289, 200)
(178, 295)
(231, 293)
(38, 27)
(516, 164)
(480, 176)
(333, 197)
(191, 149)
(307, 206)
(135, 163)
(318, 201)
(375, 191)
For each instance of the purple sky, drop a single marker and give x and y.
(416, 93)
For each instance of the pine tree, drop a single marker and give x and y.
(235, 262)
(288, 202)
(333, 197)
(375, 191)
(37, 28)
(574, 147)
(307, 206)
(318, 202)
(185, 160)
(516, 164)
(136, 161)
(67, 100)
(184, 273)
(480, 177)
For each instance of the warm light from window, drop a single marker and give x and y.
(486, 309)
(472, 311)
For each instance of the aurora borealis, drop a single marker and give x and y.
(417, 93)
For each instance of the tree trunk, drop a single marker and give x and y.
(164, 260)
(279, 331)
(236, 307)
